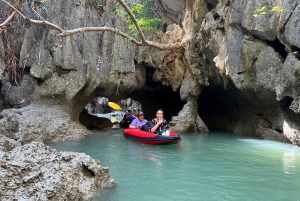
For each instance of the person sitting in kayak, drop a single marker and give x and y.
(136, 112)
(159, 125)
(128, 117)
(138, 122)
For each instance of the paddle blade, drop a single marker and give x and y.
(113, 120)
(114, 106)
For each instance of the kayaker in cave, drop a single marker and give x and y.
(136, 112)
(127, 119)
(159, 125)
(138, 122)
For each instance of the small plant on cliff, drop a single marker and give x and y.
(264, 11)
(145, 14)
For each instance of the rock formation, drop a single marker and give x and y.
(36, 172)
(236, 72)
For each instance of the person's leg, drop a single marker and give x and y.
(166, 133)
(145, 128)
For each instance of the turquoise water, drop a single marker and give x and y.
(215, 166)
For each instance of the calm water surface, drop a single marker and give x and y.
(215, 166)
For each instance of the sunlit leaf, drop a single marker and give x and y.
(259, 10)
(276, 9)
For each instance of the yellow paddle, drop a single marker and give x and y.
(114, 106)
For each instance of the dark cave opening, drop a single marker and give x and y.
(149, 99)
(211, 6)
(160, 97)
(217, 107)
(97, 114)
(278, 47)
(156, 96)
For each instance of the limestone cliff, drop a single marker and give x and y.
(236, 72)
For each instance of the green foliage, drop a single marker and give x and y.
(264, 11)
(145, 14)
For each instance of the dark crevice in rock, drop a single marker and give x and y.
(221, 29)
(162, 97)
(164, 27)
(61, 72)
(216, 16)
(87, 171)
(217, 107)
(278, 47)
(210, 6)
(39, 81)
(156, 96)
(94, 122)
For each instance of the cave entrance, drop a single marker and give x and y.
(217, 108)
(157, 96)
(153, 96)
(97, 114)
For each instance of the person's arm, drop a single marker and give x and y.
(154, 128)
(133, 124)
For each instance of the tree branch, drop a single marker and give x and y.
(8, 19)
(159, 46)
(44, 22)
(144, 42)
(134, 20)
(86, 29)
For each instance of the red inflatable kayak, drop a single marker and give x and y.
(150, 138)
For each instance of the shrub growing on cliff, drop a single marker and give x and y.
(146, 15)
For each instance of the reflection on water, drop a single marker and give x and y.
(290, 161)
(215, 166)
(290, 154)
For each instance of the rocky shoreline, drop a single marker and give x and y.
(36, 172)
(236, 72)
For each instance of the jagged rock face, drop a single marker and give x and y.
(2, 56)
(230, 48)
(171, 11)
(37, 123)
(37, 172)
(18, 96)
(248, 53)
(66, 73)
